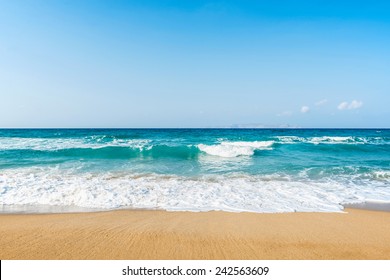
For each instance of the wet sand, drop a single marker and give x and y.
(125, 234)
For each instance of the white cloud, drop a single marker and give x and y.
(322, 102)
(305, 109)
(343, 106)
(355, 104)
(350, 106)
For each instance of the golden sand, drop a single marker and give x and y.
(357, 234)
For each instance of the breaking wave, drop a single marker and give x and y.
(235, 149)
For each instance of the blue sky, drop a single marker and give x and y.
(194, 63)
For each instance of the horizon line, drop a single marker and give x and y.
(238, 128)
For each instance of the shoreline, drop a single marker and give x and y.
(370, 205)
(156, 234)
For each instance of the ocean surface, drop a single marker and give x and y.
(255, 170)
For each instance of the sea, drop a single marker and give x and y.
(236, 170)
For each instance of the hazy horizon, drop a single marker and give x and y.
(211, 127)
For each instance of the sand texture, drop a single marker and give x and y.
(357, 234)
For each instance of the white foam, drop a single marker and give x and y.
(234, 192)
(381, 175)
(52, 144)
(235, 149)
(290, 139)
(329, 140)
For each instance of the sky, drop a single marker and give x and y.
(195, 63)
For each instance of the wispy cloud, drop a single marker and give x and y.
(343, 106)
(305, 109)
(355, 104)
(350, 106)
(321, 102)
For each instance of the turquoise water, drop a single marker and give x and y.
(259, 170)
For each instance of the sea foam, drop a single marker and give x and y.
(235, 149)
(232, 192)
(53, 144)
(332, 140)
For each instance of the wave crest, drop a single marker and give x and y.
(54, 144)
(235, 149)
(354, 140)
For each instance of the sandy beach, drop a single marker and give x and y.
(356, 234)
